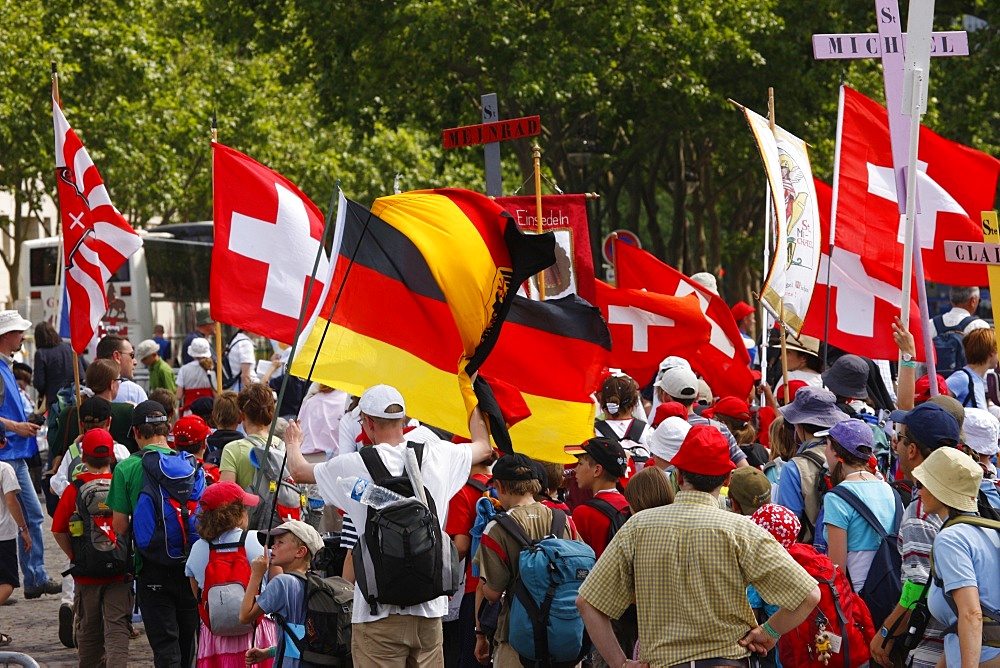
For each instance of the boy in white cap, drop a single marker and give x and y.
(160, 373)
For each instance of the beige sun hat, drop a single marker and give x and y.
(952, 477)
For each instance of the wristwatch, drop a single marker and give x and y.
(884, 632)
(907, 357)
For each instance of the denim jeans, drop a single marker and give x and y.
(33, 561)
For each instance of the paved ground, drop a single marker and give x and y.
(34, 625)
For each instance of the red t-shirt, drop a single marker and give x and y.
(60, 521)
(593, 524)
(461, 519)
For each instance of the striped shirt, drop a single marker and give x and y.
(687, 567)
(916, 536)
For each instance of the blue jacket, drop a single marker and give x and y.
(18, 447)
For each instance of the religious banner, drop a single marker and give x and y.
(792, 276)
(566, 217)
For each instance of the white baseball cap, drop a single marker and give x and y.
(679, 382)
(666, 440)
(377, 399)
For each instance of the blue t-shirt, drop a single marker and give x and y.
(875, 494)
(285, 595)
(958, 383)
(960, 552)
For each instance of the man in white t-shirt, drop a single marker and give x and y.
(393, 635)
(964, 303)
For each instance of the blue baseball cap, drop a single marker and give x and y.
(929, 425)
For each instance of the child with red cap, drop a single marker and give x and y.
(190, 434)
(102, 603)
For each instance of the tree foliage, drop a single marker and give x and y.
(633, 100)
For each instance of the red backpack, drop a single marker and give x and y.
(839, 608)
(226, 578)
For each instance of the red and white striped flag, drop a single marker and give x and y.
(97, 240)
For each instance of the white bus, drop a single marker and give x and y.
(164, 283)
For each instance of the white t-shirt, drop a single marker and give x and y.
(192, 376)
(955, 316)
(445, 470)
(8, 483)
(320, 417)
(241, 352)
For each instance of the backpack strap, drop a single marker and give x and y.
(965, 322)
(376, 467)
(605, 429)
(635, 430)
(515, 530)
(229, 546)
(867, 515)
(845, 650)
(939, 325)
(477, 485)
(603, 506)
(971, 392)
(286, 627)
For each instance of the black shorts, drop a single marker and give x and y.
(8, 563)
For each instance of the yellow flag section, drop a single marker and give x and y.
(991, 235)
(420, 287)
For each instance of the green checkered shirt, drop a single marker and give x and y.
(687, 567)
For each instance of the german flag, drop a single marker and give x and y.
(420, 288)
(554, 352)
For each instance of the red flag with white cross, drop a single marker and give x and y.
(267, 235)
(723, 360)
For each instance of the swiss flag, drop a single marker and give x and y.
(862, 307)
(646, 327)
(955, 184)
(267, 234)
(723, 360)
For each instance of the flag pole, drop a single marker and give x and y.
(536, 152)
(57, 99)
(218, 325)
(781, 301)
(834, 199)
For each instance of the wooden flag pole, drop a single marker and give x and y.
(781, 301)
(536, 151)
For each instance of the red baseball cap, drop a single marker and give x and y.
(98, 443)
(705, 451)
(223, 493)
(922, 388)
(793, 387)
(669, 409)
(190, 429)
(733, 407)
(741, 310)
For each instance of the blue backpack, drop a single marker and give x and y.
(948, 348)
(163, 522)
(545, 627)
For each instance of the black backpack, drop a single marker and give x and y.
(948, 345)
(97, 551)
(403, 558)
(882, 586)
(615, 516)
(228, 377)
(327, 629)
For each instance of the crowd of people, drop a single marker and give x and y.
(827, 516)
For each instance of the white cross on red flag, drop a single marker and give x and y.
(723, 360)
(267, 234)
(97, 240)
(955, 183)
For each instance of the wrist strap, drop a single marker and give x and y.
(770, 630)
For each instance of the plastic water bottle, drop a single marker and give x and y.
(367, 492)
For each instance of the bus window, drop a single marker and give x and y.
(43, 262)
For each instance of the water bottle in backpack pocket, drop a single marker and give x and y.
(163, 522)
(97, 551)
